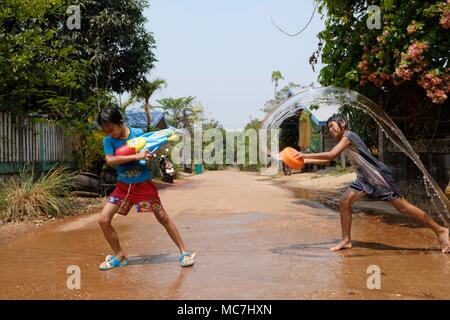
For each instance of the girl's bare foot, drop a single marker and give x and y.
(344, 244)
(443, 239)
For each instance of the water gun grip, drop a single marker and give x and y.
(153, 147)
(150, 141)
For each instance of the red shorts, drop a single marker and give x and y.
(143, 195)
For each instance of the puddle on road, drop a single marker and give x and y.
(252, 254)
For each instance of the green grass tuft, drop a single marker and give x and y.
(32, 197)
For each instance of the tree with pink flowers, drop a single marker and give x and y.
(403, 65)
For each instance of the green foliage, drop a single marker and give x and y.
(144, 91)
(47, 68)
(254, 124)
(68, 75)
(182, 112)
(114, 38)
(403, 66)
(35, 62)
(146, 88)
(214, 124)
(280, 97)
(276, 76)
(89, 149)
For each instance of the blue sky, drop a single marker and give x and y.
(224, 51)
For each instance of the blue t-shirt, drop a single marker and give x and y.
(130, 172)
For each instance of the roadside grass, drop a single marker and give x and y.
(31, 196)
(335, 172)
(341, 171)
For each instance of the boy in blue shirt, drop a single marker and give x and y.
(134, 187)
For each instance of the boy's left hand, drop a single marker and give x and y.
(148, 155)
(143, 155)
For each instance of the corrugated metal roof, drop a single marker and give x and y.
(156, 117)
(136, 116)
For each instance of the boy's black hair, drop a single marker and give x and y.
(341, 120)
(110, 115)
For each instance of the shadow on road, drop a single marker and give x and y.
(151, 259)
(314, 249)
(385, 247)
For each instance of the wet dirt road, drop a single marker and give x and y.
(254, 240)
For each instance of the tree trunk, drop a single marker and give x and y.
(147, 113)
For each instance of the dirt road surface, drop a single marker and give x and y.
(254, 239)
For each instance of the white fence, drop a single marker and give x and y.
(23, 140)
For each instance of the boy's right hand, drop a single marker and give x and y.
(143, 155)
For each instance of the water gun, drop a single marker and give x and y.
(150, 141)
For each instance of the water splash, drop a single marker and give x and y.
(332, 96)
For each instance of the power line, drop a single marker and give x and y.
(295, 34)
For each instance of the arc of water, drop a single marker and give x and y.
(385, 122)
(333, 95)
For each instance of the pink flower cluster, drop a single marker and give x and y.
(412, 28)
(403, 71)
(412, 61)
(363, 66)
(436, 85)
(445, 20)
(383, 36)
(435, 82)
(445, 17)
(416, 49)
(376, 78)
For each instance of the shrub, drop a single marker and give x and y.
(32, 197)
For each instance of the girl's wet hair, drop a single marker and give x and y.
(110, 115)
(341, 120)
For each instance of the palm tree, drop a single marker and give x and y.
(145, 90)
(276, 76)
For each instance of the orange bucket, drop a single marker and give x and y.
(292, 158)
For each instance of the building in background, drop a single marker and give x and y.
(136, 118)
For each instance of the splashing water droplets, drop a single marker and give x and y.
(327, 97)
